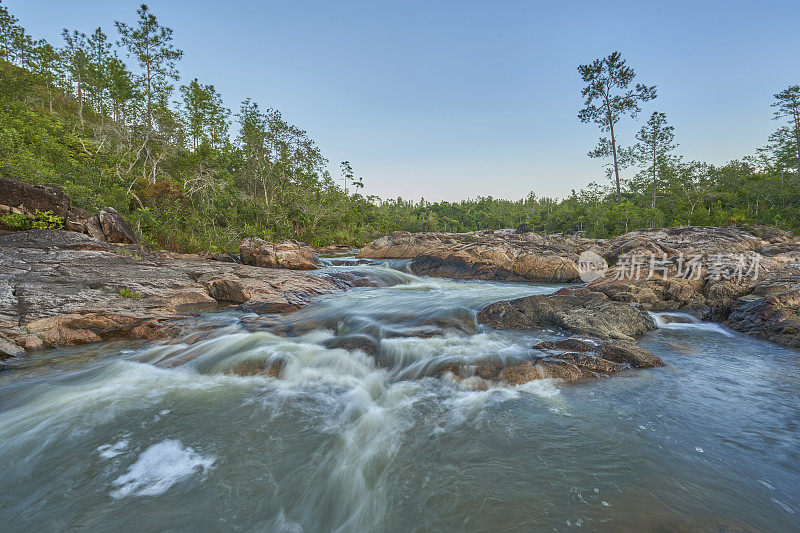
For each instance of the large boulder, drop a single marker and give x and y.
(578, 310)
(114, 227)
(32, 198)
(287, 254)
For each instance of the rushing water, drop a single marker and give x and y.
(130, 436)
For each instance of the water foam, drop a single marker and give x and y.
(108, 451)
(160, 467)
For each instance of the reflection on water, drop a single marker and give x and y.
(166, 436)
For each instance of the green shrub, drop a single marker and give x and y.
(128, 293)
(40, 220)
(47, 220)
(15, 221)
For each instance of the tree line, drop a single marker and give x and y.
(107, 119)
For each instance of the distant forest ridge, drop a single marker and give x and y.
(107, 116)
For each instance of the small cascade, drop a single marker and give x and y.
(687, 322)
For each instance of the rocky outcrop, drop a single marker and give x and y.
(29, 200)
(287, 254)
(746, 278)
(482, 255)
(576, 309)
(64, 288)
(771, 310)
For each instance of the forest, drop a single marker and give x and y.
(107, 116)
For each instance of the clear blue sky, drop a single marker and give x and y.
(449, 100)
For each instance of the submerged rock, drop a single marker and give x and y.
(625, 352)
(253, 367)
(364, 343)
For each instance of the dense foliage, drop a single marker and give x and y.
(100, 122)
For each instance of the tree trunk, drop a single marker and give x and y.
(80, 101)
(655, 175)
(149, 101)
(797, 139)
(616, 163)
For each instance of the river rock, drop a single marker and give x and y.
(578, 310)
(287, 254)
(64, 288)
(625, 352)
(603, 358)
(772, 310)
(356, 341)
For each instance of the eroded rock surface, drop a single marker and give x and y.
(482, 255)
(64, 288)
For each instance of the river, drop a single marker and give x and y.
(132, 436)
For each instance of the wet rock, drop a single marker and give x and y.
(9, 349)
(576, 344)
(287, 254)
(153, 330)
(592, 362)
(601, 358)
(674, 319)
(625, 352)
(364, 343)
(578, 310)
(251, 367)
(114, 227)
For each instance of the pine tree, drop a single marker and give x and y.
(652, 151)
(787, 105)
(76, 59)
(609, 97)
(150, 44)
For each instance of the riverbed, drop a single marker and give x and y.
(140, 436)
